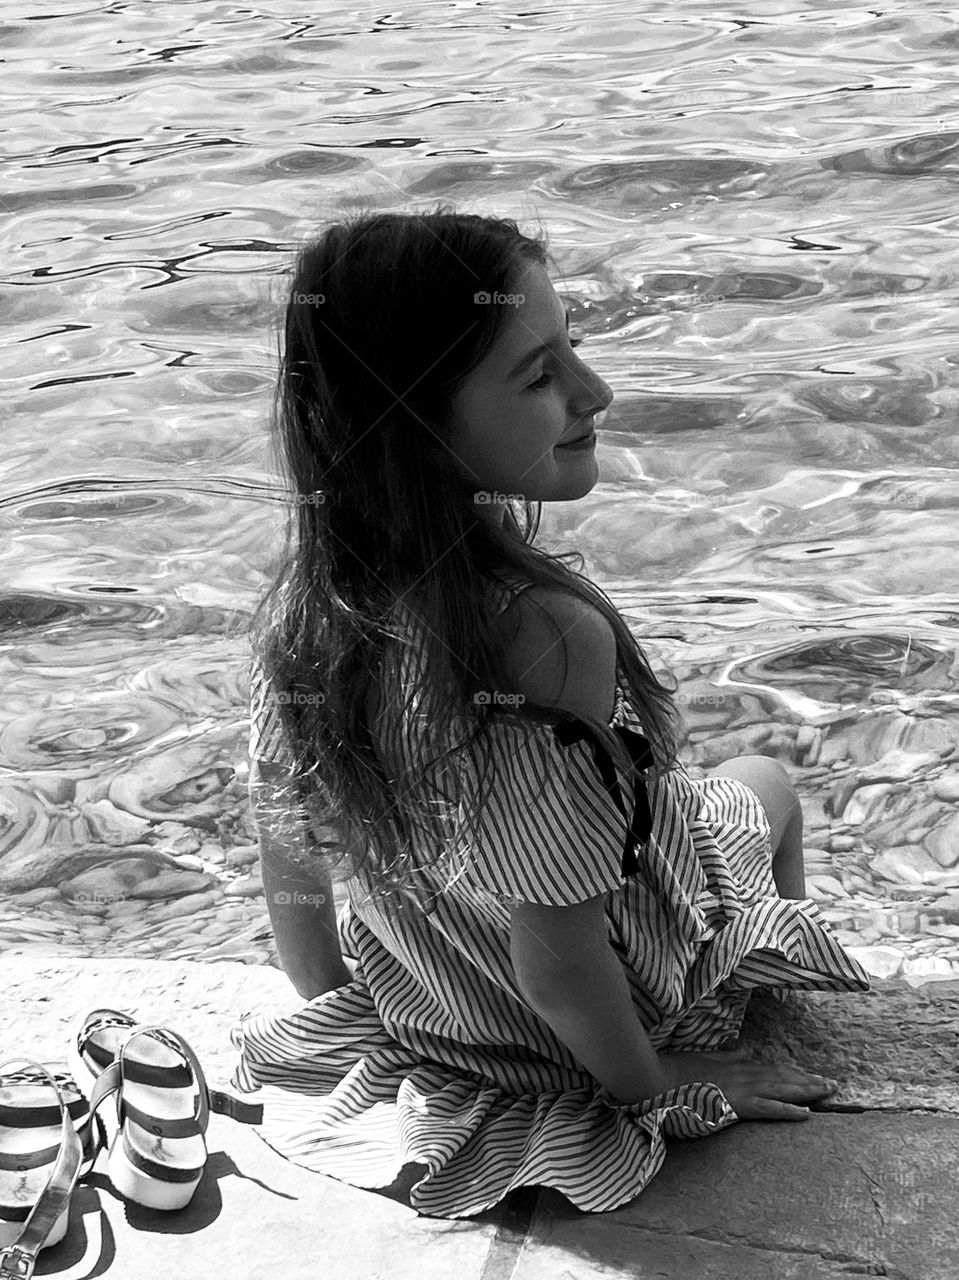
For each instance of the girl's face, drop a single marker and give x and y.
(521, 405)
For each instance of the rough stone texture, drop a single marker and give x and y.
(868, 1194)
(895, 1047)
(872, 1194)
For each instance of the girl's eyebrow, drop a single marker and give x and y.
(530, 356)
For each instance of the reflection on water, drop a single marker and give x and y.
(759, 247)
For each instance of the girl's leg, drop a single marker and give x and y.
(770, 781)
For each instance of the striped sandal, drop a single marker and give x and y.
(44, 1148)
(157, 1147)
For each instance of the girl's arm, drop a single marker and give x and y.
(574, 981)
(299, 900)
(561, 955)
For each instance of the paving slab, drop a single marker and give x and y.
(41, 998)
(865, 1195)
(894, 1047)
(867, 1186)
(254, 1213)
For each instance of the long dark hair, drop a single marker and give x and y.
(381, 606)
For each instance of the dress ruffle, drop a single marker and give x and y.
(343, 1097)
(359, 1106)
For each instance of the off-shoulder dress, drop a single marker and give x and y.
(431, 1055)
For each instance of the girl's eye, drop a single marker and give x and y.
(546, 378)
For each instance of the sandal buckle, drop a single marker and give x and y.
(16, 1263)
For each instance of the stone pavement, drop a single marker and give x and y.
(866, 1186)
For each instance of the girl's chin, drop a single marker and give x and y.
(577, 481)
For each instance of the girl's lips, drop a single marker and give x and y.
(582, 442)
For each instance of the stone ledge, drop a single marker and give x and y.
(832, 1196)
(817, 1199)
(895, 1047)
(42, 997)
(254, 1212)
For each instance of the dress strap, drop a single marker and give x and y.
(640, 823)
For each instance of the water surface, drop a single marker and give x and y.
(756, 223)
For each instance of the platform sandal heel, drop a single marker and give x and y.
(47, 1140)
(157, 1146)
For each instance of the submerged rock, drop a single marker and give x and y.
(112, 826)
(51, 866)
(171, 884)
(186, 782)
(908, 864)
(946, 787)
(111, 881)
(22, 817)
(879, 962)
(176, 837)
(242, 855)
(185, 906)
(33, 897)
(943, 841)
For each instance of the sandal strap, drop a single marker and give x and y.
(165, 1077)
(89, 1138)
(111, 1079)
(101, 1020)
(36, 1116)
(139, 1072)
(107, 1018)
(107, 1082)
(185, 1128)
(28, 1159)
(17, 1260)
(226, 1105)
(176, 1042)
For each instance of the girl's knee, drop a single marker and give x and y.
(771, 784)
(783, 808)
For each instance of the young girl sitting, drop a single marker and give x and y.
(551, 927)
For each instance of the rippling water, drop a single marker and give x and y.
(756, 224)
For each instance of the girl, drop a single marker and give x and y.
(550, 926)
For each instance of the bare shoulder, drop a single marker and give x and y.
(561, 652)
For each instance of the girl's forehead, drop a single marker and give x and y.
(535, 319)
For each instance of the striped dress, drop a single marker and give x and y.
(432, 1055)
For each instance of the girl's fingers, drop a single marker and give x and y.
(783, 1089)
(795, 1113)
(767, 1072)
(772, 1109)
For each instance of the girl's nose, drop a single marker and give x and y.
(589, 383)
(604, 395)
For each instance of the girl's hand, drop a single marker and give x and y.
(755, 1090)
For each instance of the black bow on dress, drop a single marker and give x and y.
(640, 823)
